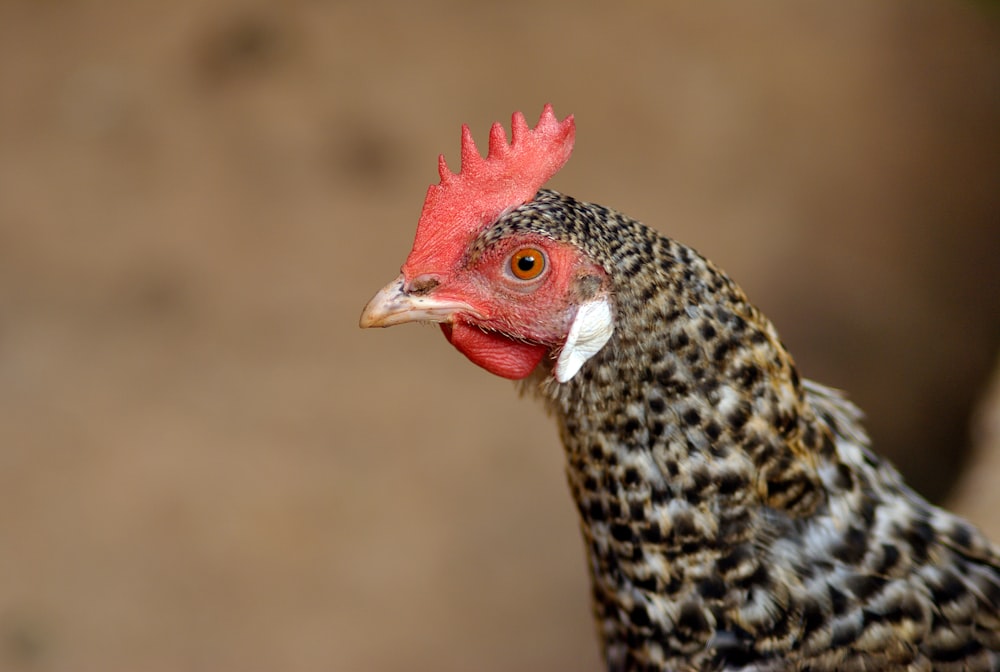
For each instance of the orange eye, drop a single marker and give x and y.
(527, 264)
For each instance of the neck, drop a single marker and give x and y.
(687, 438)
(694, 385)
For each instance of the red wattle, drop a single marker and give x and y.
(494, 352)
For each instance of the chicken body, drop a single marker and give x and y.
(733, 515)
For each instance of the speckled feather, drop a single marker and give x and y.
(733, 515)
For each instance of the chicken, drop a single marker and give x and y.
(733, 515)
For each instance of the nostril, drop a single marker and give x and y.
(422, 284)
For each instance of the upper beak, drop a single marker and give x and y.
(394, 305)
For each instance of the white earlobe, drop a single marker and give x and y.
(591, 329)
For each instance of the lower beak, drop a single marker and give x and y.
(394, 305)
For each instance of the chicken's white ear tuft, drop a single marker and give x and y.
(591, 329)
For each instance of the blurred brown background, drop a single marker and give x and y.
(205, 465)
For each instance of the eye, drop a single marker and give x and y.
(527, 263)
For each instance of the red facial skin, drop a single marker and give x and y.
(516, 322)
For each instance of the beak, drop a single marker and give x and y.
(394, 305)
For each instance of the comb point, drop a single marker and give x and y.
(470, 153)
(444, 172)
(518, 127)
(498, 141)
(548, 116)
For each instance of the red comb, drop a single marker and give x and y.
(464, 203)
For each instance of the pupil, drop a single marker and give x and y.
(526, 263)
